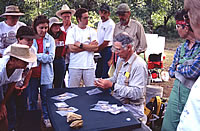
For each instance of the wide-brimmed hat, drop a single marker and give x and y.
(65, 8)
(12, 10)
(54, 20)
(22, 52)
(26, 32)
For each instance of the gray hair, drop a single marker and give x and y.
(124, 38)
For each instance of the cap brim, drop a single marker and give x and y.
(30, 59)
(31, 37)
(58, 13)
(104, 10)
(14, 14)
(57, 23)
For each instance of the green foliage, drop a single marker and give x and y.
(155, 15)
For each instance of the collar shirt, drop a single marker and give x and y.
(63, 29)
(136, 88)
(188, 71)
(71, 26)
(16, 76)
(105, 31)
(136, 31)
(8, 34)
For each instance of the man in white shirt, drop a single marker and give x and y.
(105, 32)
(9, 27)
(82, 42)
(11, 72)
(66, 14)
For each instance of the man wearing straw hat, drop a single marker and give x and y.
(66, 14)
(8, 28)
(10, 73)
(17, 104)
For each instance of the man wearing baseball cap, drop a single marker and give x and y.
(132, 27)
(59, 60)
(105, 32)
(8, 28)
(19, 57)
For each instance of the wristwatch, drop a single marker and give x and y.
(81, 45)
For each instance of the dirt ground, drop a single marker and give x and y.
(170, 49)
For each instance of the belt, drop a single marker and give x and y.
(59, 57)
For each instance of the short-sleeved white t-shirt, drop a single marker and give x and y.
(105, 31)
(16, 76)
(84, 59)
(8, 34)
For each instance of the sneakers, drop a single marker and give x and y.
(47, 123)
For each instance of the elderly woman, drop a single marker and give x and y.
(59, 61)
(42, 75)
(185, 69)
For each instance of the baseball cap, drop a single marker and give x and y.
(122, 8)
(105, 7)
(26, 32)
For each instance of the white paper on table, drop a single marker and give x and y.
(61, 104)
(64, 96)
(64, 113)
(93, 91)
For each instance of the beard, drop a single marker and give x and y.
(102, 17)
(123, 21)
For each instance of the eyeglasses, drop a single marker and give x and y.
(46, 27)
(178, 26)
(117, 50)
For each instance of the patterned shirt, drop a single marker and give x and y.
(188, 71)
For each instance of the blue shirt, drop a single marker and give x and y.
(188, 71)
(46, 58)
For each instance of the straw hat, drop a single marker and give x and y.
(54, 20)
(65, 8)
(12, 10)
(22, 52)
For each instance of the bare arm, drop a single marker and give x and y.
(74, 49)
(91, 47)
(103, 45)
